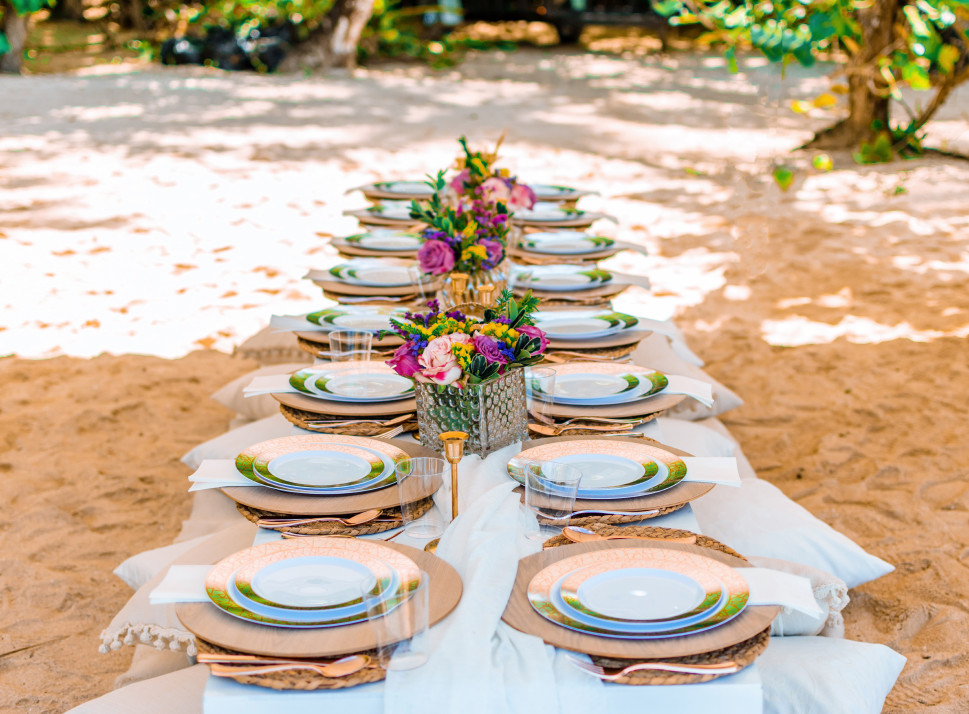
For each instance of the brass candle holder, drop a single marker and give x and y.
(453, 452)
(458, 287)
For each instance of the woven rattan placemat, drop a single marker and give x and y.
(742, 654)
(335, 527)
(302, 418)
(298, 678)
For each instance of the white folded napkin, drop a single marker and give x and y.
(269, 384)
(182, 583)
(695, 388)
(712, 469)
(290, 323)
(217, 473)
(775, 587)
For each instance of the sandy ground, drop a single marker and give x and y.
(167, 213)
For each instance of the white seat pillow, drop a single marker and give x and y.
(178, 692)
(656, 353)
(758, 519)
(231, 396)
(823, 675)
(140, 622)
(229, 444)
(695, 437)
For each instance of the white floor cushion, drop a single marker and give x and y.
(232, 442)
(175, 693)
(822, 675)
(655, 352)
(758, 519)
(231, 397)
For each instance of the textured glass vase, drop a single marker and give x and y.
(492, 413)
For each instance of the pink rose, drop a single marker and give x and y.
(532, 332)
(404, 362)
(436, 257)
(460, 181)
(439, 363)
(495, 190)
(521, 197)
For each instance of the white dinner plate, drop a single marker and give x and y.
(565, 242)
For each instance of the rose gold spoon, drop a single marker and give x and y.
(341, 668)
(577, 534)
(356, 520)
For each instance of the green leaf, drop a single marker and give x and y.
(915, 21)
(784, 177)
(731, 56)
(948, 56)
(822, 162)
(4, 44)
(917, 76)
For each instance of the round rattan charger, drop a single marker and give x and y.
(742, 654)
(601, 352)
(302, 418)
(335, 527)
(304, 679)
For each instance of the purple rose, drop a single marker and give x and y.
(533, 332)
(436, 257)
(404, 362)
(489, 349)
(496, 251)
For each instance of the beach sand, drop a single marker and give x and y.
(162, 216)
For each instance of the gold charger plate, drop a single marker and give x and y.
(207, 622)
(520, 614)
(298, 504)
(681, 493)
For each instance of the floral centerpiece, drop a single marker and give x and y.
(477, 179)
(469, 373)
(467, 239)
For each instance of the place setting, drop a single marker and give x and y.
(313, 613)
(394, 213)
(567, 284)
(583, 480)
(370, 318)
(590, 332)
(552, 214)
(362, 397)
(598, 396)
(648, 605)
(380, 243)
(374, 279)
(325, 484)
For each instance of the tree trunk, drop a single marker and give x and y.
(334, 44)
(868, 98)
(15, 28)
(132, 14)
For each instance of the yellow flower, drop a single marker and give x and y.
(476, 251)
(462, 353)
(504, 173)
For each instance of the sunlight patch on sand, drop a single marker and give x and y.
(797, 331)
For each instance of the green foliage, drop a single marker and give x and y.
(784, 177)
(929, 45)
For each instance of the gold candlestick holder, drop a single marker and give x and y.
(459, 287)
(453, 452)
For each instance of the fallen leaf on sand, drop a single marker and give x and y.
(181, 267)
(99, 249)
(62, 252)
(206, 342)
(91, 323)
(269, 291)
(222, 249)
(230, 294)
(270, 272)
